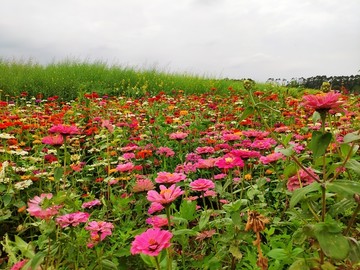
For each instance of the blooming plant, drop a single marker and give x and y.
(250, 179)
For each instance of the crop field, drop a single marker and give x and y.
(242, 178)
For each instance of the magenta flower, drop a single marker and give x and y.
(57, 139)
(301, 179)
(72, 219)
(169, 178)
(129, 166)
(255, 133)
(166, 151)
(202, 184)
(231, 137)
(151, 242)
(35, 209)
(323, 101)
(166, 195)
(245, 153)
(91, 204)
(178, 135)
(155, 207)
(64, 129)
(271, 158)
(98, 231)
(228, 162)
(157, 222)
(204, 150)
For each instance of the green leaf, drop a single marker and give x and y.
(353, 165)
(319, 143)
(25, 248)
(351, 137)
(204, 219)
(107, 264)
(344, 187)
(58, 173)
(316, 116)
(188, 210)
(301, 264)
(148, 260)
(234, 206)
(300, 193)
(235, 251)
(4, 214)
(248, 111)
(345, 149)
(6, 199)
(184, 232)
(278, 254)
(286, 151)
(354, 254)
(331, 240)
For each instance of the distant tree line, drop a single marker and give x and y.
(349, 84)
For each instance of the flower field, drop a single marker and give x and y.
(244, 180)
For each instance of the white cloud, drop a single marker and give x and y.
(223, 38)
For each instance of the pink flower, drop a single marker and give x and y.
(91, 204)
(19, 265)
(245, 153)
(255, 134)
(35, 209)
(271, 158)
(178, 135)
(166, 151)
(129, 166)
(98, 231)
(128, 156)
(57, 139)
(301, 177)
(206, 163)
(202, 184)
(143, 185)
(169, 178)
(323, 101)
(231, 137)
(64, 129)
(151, 242)
(166, 195)
(72, 219)
(108, 125)
(228, 162)
(263, 143)
(155, 207)
(205, 150)
(157, 222)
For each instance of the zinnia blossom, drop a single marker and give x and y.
(35, 209)
(72, 219)
(169, 178)
(155, 207)
(57, 139)
(98, 231)
(271, 158)
(143, 185)
(178, 135)
(166, 195)
(202, 184)
(228, 162)
(151, 242)
(19, 265)
(323, 101)
(157, 221)
(91, 204)
(64, 129)
(166, 151)
(301, 177)
(129, 166)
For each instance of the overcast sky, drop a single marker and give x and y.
(256, 39)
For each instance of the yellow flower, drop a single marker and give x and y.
(248, 177)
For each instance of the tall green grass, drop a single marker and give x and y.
(68, 79)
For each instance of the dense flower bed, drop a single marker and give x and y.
(250, 180)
